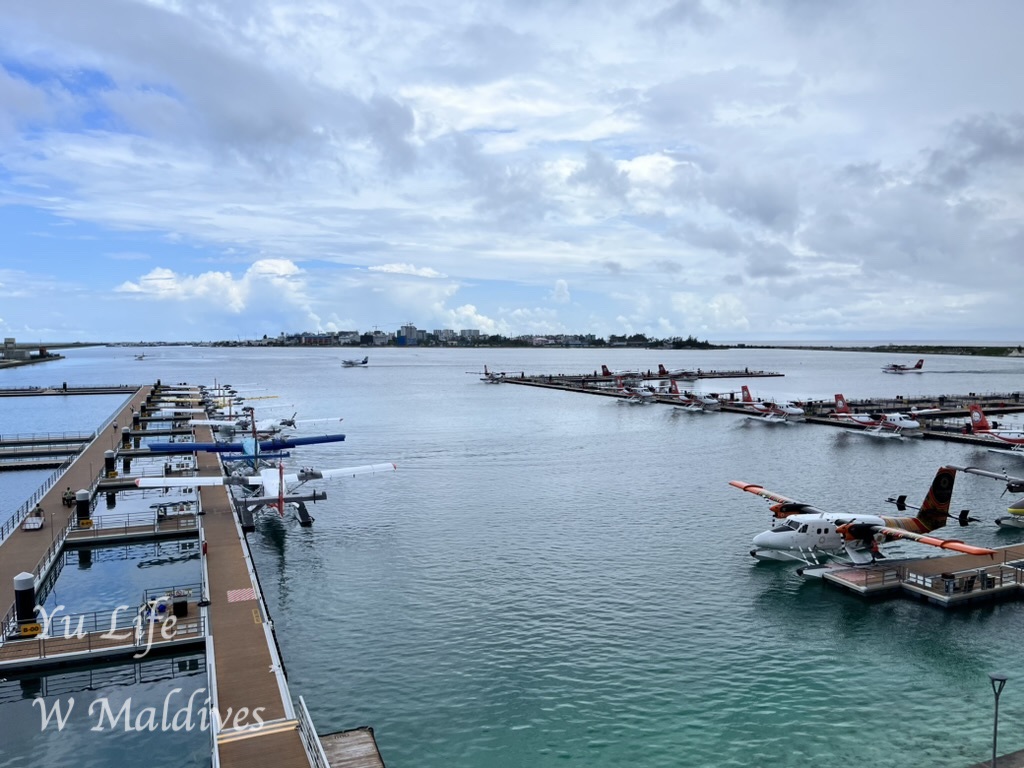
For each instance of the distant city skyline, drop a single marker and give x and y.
(736, 171)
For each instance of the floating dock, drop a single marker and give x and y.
(955, 581)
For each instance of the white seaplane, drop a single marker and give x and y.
(621, 374)
(272, 487)
(677, 373)
(248, 423)
(635, 395)
(894, 422)
(494, 377)
(769, 411)
(898, 368)
(1013, 485)
(808, 535)
(355, 362)
(689, 398)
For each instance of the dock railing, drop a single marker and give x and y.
(104, 632)
(23, 511)
(966, 580)
(103, 525)
(310, 739)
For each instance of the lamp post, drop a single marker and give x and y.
(998, 681)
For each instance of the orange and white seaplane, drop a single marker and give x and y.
(271, 487)
(770, 411)
(808, 535)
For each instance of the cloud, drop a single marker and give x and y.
(407, 269)
(560, 294)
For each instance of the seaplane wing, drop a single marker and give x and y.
(1013, 484)
(934, 541)
(189, 482)
(328, 474)
(269, 479)
(785, 505)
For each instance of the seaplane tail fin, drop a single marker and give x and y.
(934, 509)
(919, 365)
(604, 370)
(662, 370)
(746, 394)
(978, 419)
(674, 387)
(841, 404)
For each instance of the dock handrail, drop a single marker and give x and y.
(310, 739)
(104, 524)
(22, 512)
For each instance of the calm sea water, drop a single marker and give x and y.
(554, 579)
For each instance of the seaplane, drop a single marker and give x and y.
(494, 377)
(980, 426)
(893, 422)
(355, 362)
(678, 373)
(620, 374)
(248, 423)
(770, 412)
(809, 535)
(899, 368)
(687, 401)
(1013, 485)
(272, 487)
(634, 395)
(707, 402)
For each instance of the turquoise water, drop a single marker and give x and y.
(552, 579)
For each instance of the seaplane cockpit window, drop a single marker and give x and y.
(786, 525)
(803, 528)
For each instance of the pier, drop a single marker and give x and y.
(934, 424)
(224, 614)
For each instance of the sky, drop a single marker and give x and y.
(729, 169)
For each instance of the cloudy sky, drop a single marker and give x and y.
(731, 169)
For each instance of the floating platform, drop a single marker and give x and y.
(956, 581)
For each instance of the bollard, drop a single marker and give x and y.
(83, 513)
(25, 603)
(109, 461)
(136, 420)
(126, 464)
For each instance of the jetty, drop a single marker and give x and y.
(224, 614)
(945, 416)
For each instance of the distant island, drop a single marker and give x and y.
(904, 349)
